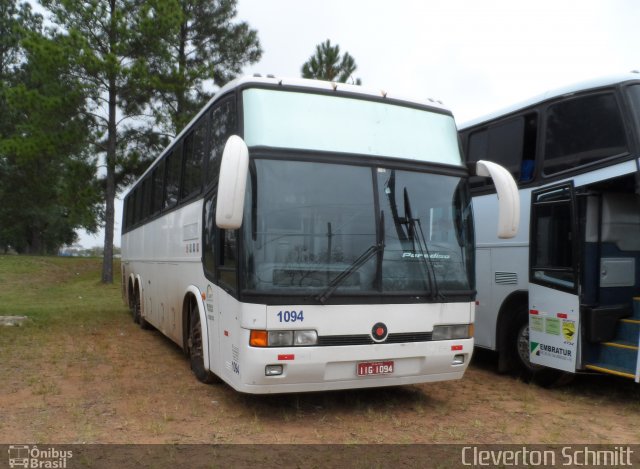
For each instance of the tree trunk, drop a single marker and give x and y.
(110, 192)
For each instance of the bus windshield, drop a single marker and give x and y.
(285, 119)
(307, 222)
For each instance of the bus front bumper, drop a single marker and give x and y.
(330, 368)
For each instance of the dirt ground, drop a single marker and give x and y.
(115, 383)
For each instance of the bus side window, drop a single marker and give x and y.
(137, 196)
(223, 125)
(146, 197)
(529, 147)
(583, 130)
(208, 239)
(510, 143)
(193, 159)
(228, 258)
(158, 187)
(173, 165)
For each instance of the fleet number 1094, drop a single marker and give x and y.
(290, 316)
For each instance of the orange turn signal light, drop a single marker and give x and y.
(258, 339)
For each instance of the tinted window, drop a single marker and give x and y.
(306, 224)
(128, 211)
(158, 185)
(209, 251)
(634, 97)
(137, 195)
(172, 186)
(223, 125)
(193, 158)
(146, 197)
(552, 256)
(228, 257)
(581, 131)
(510, 143)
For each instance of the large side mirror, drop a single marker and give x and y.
(508, 197)
(232, 184)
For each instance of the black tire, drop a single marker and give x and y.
(195, 349)
(144, 324)
(538, 374)
(137, 313)
(131, 303)
(137, 310)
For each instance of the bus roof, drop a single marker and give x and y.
(311, 85)
(302, 83)
(552, 94)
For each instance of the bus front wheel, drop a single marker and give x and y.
(195, 348)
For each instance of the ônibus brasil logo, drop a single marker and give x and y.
(34, 457)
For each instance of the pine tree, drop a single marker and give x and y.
(46, 189)
(117, 43)
(208, 48)
(327, 64)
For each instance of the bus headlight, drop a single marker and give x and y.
(456, 331)
(282, 338)
(305, 338)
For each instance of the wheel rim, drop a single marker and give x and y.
(523, 348)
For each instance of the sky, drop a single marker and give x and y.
(476, 56)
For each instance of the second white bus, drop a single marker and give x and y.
(565, 292)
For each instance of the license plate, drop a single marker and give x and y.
(375, 368)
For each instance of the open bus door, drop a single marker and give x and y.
(554, 288)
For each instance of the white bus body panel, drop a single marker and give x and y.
(501, 264)
(168, 263)
(318, 368)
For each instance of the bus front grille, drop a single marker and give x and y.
(365, 339)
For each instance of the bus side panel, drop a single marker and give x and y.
(166, 254)
(501, 265)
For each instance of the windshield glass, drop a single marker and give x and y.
(306, 223)
(634, 97)
(298, 120)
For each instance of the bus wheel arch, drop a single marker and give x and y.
(138, 316)
(513, 313)
(196, 338)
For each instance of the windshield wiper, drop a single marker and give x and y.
(355, 265)
(417, 236)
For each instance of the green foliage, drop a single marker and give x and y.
(207, 47)
(46, 189)
(327, 64)
(117, 44)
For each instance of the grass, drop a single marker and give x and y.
(57, 290)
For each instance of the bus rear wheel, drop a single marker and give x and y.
(195, 347)
(138, 318)
(136, 307)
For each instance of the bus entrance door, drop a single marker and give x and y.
(554, 301)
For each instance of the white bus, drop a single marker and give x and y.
(561, 293)
(303, 236)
